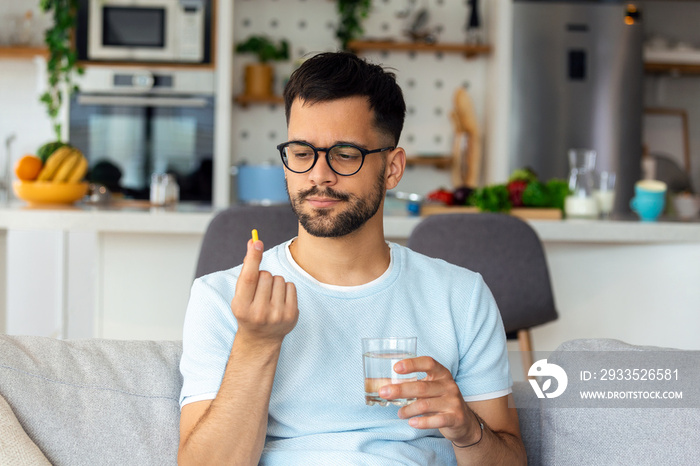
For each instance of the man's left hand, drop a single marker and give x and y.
(439, 403)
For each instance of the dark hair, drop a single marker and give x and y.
(337, 75)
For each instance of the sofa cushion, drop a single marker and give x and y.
(530, 420)
(618, 435)
(88, 402)
(16, 448)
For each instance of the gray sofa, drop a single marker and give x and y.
(101, 402)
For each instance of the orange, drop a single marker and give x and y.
(28, 167)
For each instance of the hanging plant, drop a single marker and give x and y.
(62, 61)
(264, 48)
(351, 12)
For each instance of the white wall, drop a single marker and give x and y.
(21, 113)
(21, 83)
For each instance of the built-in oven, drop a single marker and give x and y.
(132, 123)
(176, 31)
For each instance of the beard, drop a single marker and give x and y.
(323, 224)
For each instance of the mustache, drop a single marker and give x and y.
(328, 192)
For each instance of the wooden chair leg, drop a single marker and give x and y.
(525, 344)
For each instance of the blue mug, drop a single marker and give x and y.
(649, 199)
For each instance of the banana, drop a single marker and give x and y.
(79, 171)
(53, 163)
(67, 167)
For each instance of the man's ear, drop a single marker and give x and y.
(395, 166)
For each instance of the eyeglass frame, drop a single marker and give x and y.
(327, 150)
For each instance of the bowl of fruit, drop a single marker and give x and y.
(51, 178)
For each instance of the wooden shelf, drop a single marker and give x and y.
(245, 100)
(672, 68)
(439, 162)
(149, 65)
(22, 52)
(466, 49)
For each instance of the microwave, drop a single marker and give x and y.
(171, 31)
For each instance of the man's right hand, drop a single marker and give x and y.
(266, 310)
(265, 306)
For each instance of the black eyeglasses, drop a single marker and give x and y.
(344, 159)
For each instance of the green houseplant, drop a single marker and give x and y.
(62, 61)
(259, 76)
(351, 12)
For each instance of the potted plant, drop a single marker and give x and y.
(259, 75)
(351, 12)
(62, 61)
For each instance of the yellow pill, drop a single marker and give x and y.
(255, 235)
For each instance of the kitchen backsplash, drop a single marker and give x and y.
(428, 79)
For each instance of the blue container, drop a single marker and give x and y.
(261, 184)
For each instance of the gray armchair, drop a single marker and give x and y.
(507, 252)
(224, 242)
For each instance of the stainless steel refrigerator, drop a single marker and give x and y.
(577, 83)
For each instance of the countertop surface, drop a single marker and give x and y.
(186, 218)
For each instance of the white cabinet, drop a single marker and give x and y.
(84, 284)
(106, 274)
(145, 284)
(35, 292)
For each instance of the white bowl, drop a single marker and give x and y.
(687, 206)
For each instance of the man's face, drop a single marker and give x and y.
(327, 204)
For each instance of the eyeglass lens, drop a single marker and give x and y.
(345, 160)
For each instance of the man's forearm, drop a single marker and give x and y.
(233, 429)
(495, 448)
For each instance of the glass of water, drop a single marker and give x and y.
(604, 193)
(378, 358)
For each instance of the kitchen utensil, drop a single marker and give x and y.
(7, 172)
(466, 164)
(99, 194)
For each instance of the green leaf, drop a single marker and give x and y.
(558, 190)
(350, 25)
(62, 59)
(491, 198)
(536, 194)
(264, 48)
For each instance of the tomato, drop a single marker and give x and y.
(441, 195)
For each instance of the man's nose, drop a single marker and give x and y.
(321, 173)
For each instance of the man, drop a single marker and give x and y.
(272, 362)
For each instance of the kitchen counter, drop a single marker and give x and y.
(131, 217)
(188, 218)
(125, 273)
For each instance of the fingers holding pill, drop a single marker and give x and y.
(264, 305)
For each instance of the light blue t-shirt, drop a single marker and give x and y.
(317, 412)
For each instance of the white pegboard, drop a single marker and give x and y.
(428, 79)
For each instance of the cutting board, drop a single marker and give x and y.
(526, 213)
(466, 147)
